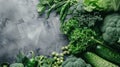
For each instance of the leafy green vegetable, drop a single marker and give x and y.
(68, 26)
(111, 29)
(81, 38)
(30, 61)
(75, 62)
(88, 19)
(101, 5)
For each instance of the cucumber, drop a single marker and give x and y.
(97, 61)
(108, 54)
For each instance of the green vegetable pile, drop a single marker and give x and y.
(93, 32)
(61, 7)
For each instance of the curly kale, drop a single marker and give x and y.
(111, 29)
(81, 38)
(75, 62)
(88, 19)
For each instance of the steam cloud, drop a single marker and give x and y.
(22, 30)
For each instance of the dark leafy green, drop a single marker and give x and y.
(88, 19)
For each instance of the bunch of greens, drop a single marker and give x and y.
(60, 6)
(101, 5)
(81, 19)
(80, 38)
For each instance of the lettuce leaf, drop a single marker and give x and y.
(101, 5)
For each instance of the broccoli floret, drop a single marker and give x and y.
(17, 65)
(111, 29)
(75, 62)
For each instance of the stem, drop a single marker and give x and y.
(101, 43)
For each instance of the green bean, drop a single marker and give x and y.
(54, 6)
(63, 9)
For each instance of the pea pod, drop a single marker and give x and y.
(64, 16)
(64, 9)
(54, 6)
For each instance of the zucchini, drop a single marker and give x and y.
(108, 54)
(97, 61)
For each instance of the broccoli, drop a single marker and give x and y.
(17, 65)
(111, 29)
(75, 62)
